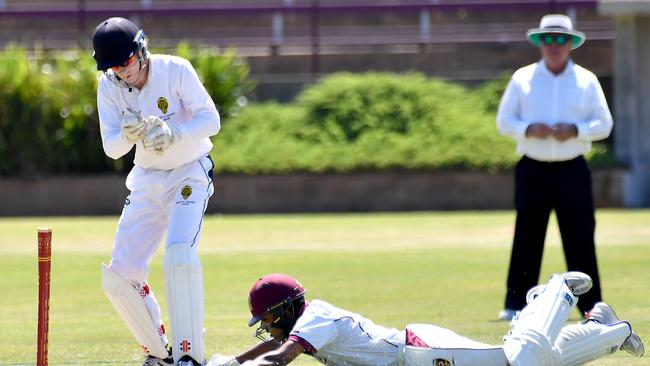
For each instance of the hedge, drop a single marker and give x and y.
(373, 121)
(344, 123)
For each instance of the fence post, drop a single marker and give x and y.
(81, 24)
(425, 27)
(315, 38)
(277, 32)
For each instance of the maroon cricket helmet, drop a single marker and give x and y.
(271, 291)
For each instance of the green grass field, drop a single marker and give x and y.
(447, 269)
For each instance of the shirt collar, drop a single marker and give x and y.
(544, 69)
(150, 71)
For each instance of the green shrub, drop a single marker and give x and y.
(48, 122)
(366, 122)
(370, 122)
(489, 93)
(224, 75)
(48, 116)
(344, 123)
(262, 139)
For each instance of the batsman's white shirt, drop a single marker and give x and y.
(536, 95)
(338, 337)
(173, 93)
(169, 191)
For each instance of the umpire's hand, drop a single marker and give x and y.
(539, 130)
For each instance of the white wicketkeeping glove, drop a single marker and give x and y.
(133, 126)
(160, 135)
(221, 360)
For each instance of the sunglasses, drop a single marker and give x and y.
(558, 39)
(126, 64)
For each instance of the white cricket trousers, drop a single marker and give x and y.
(160, 202)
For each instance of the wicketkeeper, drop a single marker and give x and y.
(333, 336)
(157, 104)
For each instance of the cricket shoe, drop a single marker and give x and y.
(188, 361)
(604, 314)
(155, 361)
(579, 283)
(507, 314)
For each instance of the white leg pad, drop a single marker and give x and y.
(582, 343)
(184, 284)
(530, 348)
(534, 332)
(549, 312)
(139, 310)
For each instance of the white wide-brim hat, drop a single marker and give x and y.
(556, 23)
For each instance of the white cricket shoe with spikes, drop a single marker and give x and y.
(508, 314)
(579, 283)
(604, 314)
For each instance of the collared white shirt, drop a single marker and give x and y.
(174, 93)
(536, 95)
(336, 336)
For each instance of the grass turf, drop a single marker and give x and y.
(443, 268)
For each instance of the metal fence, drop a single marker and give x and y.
(296, 27)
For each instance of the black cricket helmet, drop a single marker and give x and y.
(115, 41)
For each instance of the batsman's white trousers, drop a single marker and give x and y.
(161, 202)
(432, 345)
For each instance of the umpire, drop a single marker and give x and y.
(554, 109)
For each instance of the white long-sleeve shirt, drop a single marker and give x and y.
(536, 95)
(174, 93)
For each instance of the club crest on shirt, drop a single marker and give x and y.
(441, 362)
(163, 104)
(186, 192)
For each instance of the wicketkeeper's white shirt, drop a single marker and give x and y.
(338, 337)
(173, 93)
(536, 95)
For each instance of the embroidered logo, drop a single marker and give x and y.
(163, 105)
(441, 362)
(186, 192)
(144, 290)
(185, 346)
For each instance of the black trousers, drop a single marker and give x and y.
(539, 188)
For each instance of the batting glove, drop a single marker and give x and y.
(220, 360)
(160, 135)
(133, 127)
